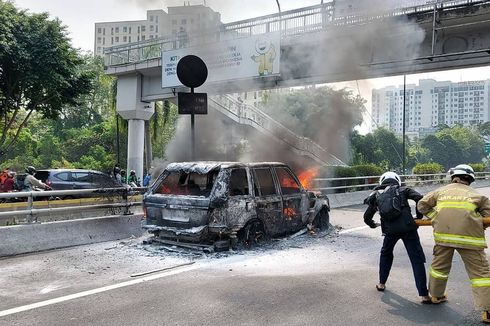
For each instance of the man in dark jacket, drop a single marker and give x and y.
(394, 229)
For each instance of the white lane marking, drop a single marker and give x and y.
(95, 291)
(354, 229)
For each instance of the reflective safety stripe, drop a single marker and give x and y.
(479, 282)
(438, 274)
(467, 206)
(459, 239)
(431, 214)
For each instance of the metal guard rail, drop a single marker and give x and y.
(30, 195)
(292, 22)
(349, 183)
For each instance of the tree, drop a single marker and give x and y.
(323, 114)
(381, 147)
(38, 71)
(456, 145)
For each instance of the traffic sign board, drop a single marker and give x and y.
(487, 148)
(193, 103)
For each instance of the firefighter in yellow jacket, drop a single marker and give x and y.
(456, 212)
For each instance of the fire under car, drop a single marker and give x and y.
(230, 203)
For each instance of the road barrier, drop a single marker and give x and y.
(22, 207)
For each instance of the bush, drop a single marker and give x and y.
(428, 168)
(344, 172)
(478, 167)
(368, 170)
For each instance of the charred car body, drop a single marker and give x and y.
(216, 201)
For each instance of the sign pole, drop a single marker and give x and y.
(193, 133)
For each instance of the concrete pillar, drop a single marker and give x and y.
(130, 107)
(136, 145)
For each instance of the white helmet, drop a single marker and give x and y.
(390, 175)
(462, 169)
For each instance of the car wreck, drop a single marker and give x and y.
(227, 203)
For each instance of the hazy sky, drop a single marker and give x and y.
(80, 16)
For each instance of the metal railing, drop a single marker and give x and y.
(288, 23)
(247, 114)
(347, 184)
(122, 198)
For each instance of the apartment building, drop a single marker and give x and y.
(182, 20)
(430, 104)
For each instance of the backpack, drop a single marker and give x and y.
(390, 203)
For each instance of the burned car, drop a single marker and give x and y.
(213, 202)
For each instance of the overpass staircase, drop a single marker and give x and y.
(251, 116)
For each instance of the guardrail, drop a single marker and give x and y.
(332, 185)
(115, 197)
(288, 23)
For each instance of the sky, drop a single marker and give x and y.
(80, 16)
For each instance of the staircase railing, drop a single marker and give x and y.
(249, 115)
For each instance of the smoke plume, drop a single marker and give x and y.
(336, 51)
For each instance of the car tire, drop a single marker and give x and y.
(221, 245)
(322, 220)
(252, 234)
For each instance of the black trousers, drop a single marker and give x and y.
(415, 252)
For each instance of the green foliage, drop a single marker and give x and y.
(382, 148)
(163, 124)
(345, 172)
(368, 170)
(38, 71)
(428, 168)
(478, 167)
(452, 146)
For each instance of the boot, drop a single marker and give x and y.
(485, 317)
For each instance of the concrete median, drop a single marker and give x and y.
(21, 239)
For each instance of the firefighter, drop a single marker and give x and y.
(456, 212)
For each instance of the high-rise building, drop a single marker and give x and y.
(181, 20)
(429, 105)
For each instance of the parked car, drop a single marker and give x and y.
(71, 179)
(208, 202)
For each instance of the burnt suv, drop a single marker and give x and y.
(209, 202)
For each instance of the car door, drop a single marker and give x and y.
(240, 207)
(61, 181)
(101, 180)
(268, 200)
(82, 180)
(294, 199)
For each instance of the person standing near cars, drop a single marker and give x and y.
(31, 183)
(456, 212)
(8, 184)
(397, 223)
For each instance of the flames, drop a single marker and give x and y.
(306, 177)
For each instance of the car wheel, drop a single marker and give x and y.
(252, 234)
(221, 245)
(322, 220)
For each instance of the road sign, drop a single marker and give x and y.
(193, 103)
(487, 148)
(192, 71)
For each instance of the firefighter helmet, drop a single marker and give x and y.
(461, 170)
(390, 175)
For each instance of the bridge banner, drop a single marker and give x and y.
(248, 57)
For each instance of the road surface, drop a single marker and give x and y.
(308, 280)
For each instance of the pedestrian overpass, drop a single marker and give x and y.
(312, 45)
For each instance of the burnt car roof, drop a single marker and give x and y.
(203, 167)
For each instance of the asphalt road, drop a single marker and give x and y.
(308, 280)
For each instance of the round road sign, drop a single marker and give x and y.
(192, 71)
